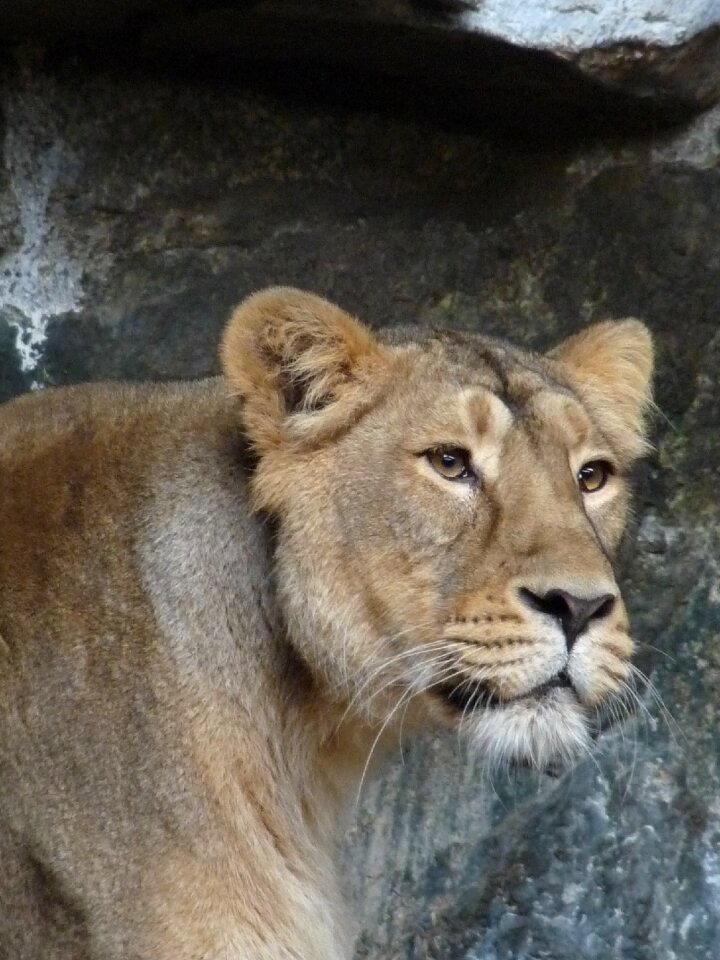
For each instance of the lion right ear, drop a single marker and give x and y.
(611, 364)
(304, 368)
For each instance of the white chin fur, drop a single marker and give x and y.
(535, 732)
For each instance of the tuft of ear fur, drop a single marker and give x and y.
(611, 365)
(304, 368)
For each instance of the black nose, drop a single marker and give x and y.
(574, 613)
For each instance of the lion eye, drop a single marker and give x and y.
(593, 476)
(453, 463)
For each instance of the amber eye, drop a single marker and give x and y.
(453, 463)
(593, 476)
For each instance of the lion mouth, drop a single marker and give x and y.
(470, 694)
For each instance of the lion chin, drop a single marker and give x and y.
(546, 732)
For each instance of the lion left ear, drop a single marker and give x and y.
(304, 368)
(611, 365)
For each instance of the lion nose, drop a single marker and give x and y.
(574, 613)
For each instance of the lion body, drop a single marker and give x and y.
(179, 723)
(142, 813)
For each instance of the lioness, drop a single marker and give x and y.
(217, 597)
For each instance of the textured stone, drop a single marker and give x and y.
(140, 210)
(12, 378)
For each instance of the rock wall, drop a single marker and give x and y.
(136, 209)
(532, 63)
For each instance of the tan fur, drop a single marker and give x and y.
(215, 598)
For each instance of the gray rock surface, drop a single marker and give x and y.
(577, 26)
(134, 212)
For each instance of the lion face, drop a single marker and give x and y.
(448, 509)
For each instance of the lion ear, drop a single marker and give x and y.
(611, 365)
(304, 368)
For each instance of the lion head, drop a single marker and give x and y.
(448, 507)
